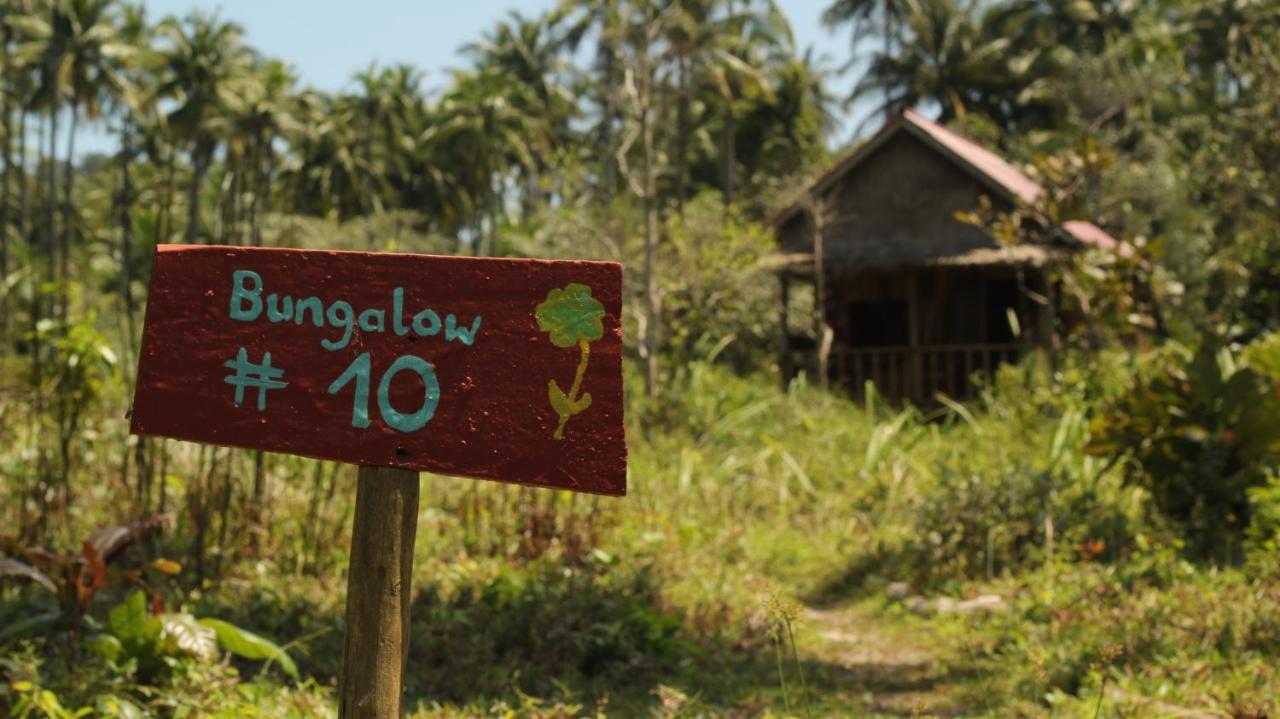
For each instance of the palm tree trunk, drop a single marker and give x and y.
(261, 210)
(166, 227)
(368, 191)
(257, 186)
(650, 242)
(24, 206)
(682, 133)
(51, 196)
(493, 215)
(68, 226)
(728, 150)
(198, 166)
(606, 129)
(5, 193)
(126, 234)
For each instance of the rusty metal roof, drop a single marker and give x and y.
(1089, 234)
(987, 164)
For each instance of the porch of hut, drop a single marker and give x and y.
(916, 331)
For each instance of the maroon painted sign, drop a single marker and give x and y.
(491, 368)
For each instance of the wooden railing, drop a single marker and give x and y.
(918, 374)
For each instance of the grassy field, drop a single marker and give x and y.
(750, 572)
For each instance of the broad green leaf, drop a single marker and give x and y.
(244, 643)
(106, 646)
(582, 404)
(128, 620)
(113, 706)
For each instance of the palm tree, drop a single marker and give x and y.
(864, 15)
(605, 19)
(81, 61)
(726, 49)
(494, 118)
(786, 134)
(729, 50)
(204, 66)
(329, 174)
(133, 102)
(14, 75)
(387, 106)
(529, 52)
(644, 29)
(266, 115)
(945, 56)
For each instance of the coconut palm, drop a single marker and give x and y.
(727, 48)
(865, 16)
(493, 119)
(945, 56)
(529, 51)
(260, 115)
(204, 66)
(604, 19)
(77, 48)
(131, 103)
(786, 133)
(731, 53)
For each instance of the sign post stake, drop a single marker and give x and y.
(500, 369)
(376, 645)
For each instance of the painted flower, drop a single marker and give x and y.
(571, 316)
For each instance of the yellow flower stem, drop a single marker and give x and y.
(585, 348)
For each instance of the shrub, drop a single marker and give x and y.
(1200, 430)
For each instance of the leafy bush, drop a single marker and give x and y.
(1011, 495)
(1200, 430)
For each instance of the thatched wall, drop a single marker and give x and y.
(896, 207)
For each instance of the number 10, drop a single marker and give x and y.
(360, 370)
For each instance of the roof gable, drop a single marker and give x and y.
(993, 171)
(977, 159)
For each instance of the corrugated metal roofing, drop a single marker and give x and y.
(1089, 234)
(979, 158)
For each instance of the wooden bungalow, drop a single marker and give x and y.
(916, 301)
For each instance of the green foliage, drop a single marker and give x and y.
(1201, 430)
(1137, 624)
(75, 579)
(540, 627)
(1264, 524)
(247, 645)
(721, 301)
(1156, 120)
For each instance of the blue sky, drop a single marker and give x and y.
(328, 40)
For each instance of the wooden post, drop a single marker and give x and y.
(784, 353)
(916, 385)
(376, 646)
(822, 329)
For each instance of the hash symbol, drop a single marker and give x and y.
(247, 374)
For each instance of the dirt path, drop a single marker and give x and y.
(891, 666)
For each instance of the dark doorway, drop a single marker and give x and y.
(878, 323)
(1002, 297)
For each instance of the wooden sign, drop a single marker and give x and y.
(491, 368)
